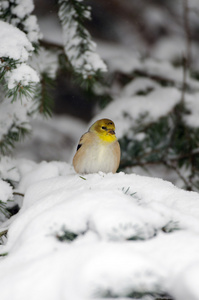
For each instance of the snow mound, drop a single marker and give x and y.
(99, 236)
(14, 43)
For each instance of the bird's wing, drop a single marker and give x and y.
(84, 138)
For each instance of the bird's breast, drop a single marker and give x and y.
(99, 157)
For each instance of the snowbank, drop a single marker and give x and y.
(100, 235)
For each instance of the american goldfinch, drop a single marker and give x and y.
(98, 149)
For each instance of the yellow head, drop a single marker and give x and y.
(105, 129)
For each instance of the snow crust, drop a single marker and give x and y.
(135, 234)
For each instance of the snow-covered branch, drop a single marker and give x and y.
(79, 48)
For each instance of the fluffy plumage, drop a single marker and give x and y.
(98, 149)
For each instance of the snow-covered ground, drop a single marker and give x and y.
(99, 236)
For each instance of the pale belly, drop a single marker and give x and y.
(102, 159)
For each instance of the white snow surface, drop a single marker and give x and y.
(14, 43)
(134, 234)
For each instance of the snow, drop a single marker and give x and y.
(118, 58)
(192, 104)
(21, 17)
(23, 75)
(13, 115)
(8, 169)
(14, 43)
(23, 8)
(84, 60)
(138, 85)
(154, 105)
(4, 4)
(45, 61)
(135, 234)
(32, 29)
(5, 191)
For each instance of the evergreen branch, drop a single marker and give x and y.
(67, 236)
(79, 48)
(20, 91)
(168, 141)
(7, 64)
(2, 233)
(171, 166)
(14, 134)
(43, 96)
(163, 80)
(3, 254)
(3, 209)
(9, 15)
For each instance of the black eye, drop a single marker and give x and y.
(103, 127)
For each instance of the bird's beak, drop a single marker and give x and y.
(111, 131)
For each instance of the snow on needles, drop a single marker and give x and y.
(23, 74)
(21, 17)
(154, 105)
(23, 8)
(14, 43)
(5, 191)
(130, 235)
(79, 48)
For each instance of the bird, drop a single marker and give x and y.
(98, 149)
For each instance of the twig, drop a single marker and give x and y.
(48, 44)
(3, 233)
(187, 184)
(18, 194)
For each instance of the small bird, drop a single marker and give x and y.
(98, 149)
